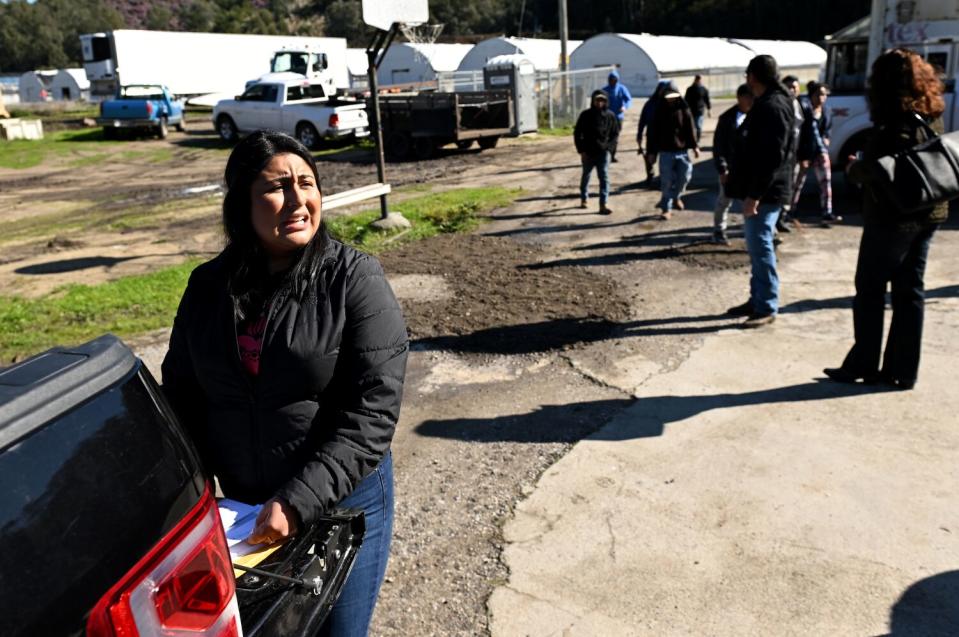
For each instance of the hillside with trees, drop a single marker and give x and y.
(44, 33)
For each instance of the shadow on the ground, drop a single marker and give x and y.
(649, 420)
(845, 302)
(73, 265)
(927, 608)
(539, 169)
(544, 336)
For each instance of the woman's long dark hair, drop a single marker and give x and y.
(902, 82)
(247, 274)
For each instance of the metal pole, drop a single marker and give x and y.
(563, 49)
(377, 130)
(877, 30)
(549, 95)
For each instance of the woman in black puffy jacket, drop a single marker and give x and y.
(286, 364)
(894, 248)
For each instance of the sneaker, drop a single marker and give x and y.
(603, 210)
(678, 204)
(829, 218)
(758, 320)
(781, 226)
(582, 204)
(746, 309)
(666, 215)
(719, 237)
(777, 241)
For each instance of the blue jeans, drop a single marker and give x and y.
(763, 279)
(675, 171)
(353, 610)
(698, 121)
(601, 164)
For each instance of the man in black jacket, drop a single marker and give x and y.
(762, 177)
(723, 152)
(594, 135)
(697, 96)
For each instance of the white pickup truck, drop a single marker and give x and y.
(294, 106)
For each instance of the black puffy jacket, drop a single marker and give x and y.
(765, 150)
(320, 414)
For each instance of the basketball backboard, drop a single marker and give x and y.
(383, 13)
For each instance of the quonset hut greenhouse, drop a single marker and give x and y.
(407, 63)
(643, 59)
(544, 54)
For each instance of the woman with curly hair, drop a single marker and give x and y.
(894, 247)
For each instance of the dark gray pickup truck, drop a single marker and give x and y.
(109, 527)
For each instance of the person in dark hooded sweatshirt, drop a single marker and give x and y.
(595, 133)
(762, 177)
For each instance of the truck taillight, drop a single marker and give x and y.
(183, 587)
(149, 108)
(334, 120)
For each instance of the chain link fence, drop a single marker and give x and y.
(562, 95)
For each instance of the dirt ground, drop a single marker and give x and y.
(515, 326)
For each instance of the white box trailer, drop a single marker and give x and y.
(928, 27)
(193, 64)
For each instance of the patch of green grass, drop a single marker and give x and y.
(445, 212)
(77, 313)
(50, 113)
(79, 147)
(562, 131)
(23, 153)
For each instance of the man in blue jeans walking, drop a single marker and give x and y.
(672, 136)
(761, 175)
(594, 135)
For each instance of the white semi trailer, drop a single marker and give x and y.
(196, 64)
(928, 27)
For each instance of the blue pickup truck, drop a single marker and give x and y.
(145, 108)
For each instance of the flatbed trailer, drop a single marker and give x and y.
(416, 124)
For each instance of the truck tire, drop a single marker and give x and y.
(307, 135)
(486, 143)
(424, 147)
(226, 128)
(181, 125)
(399, 146)
(162, 131)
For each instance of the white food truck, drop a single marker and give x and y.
(217, 65)
(929, 27)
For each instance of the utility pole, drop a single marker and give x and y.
(563, 37)
(564, 56)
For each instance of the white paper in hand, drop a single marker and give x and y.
(239, 520)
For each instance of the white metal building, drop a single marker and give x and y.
(35, 86)
(544, 54)
(805, 60)
(644, 59)
(407, 63)
(70, 84)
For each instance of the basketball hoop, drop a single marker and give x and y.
(423, 35)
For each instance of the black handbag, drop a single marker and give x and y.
(918, 178)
